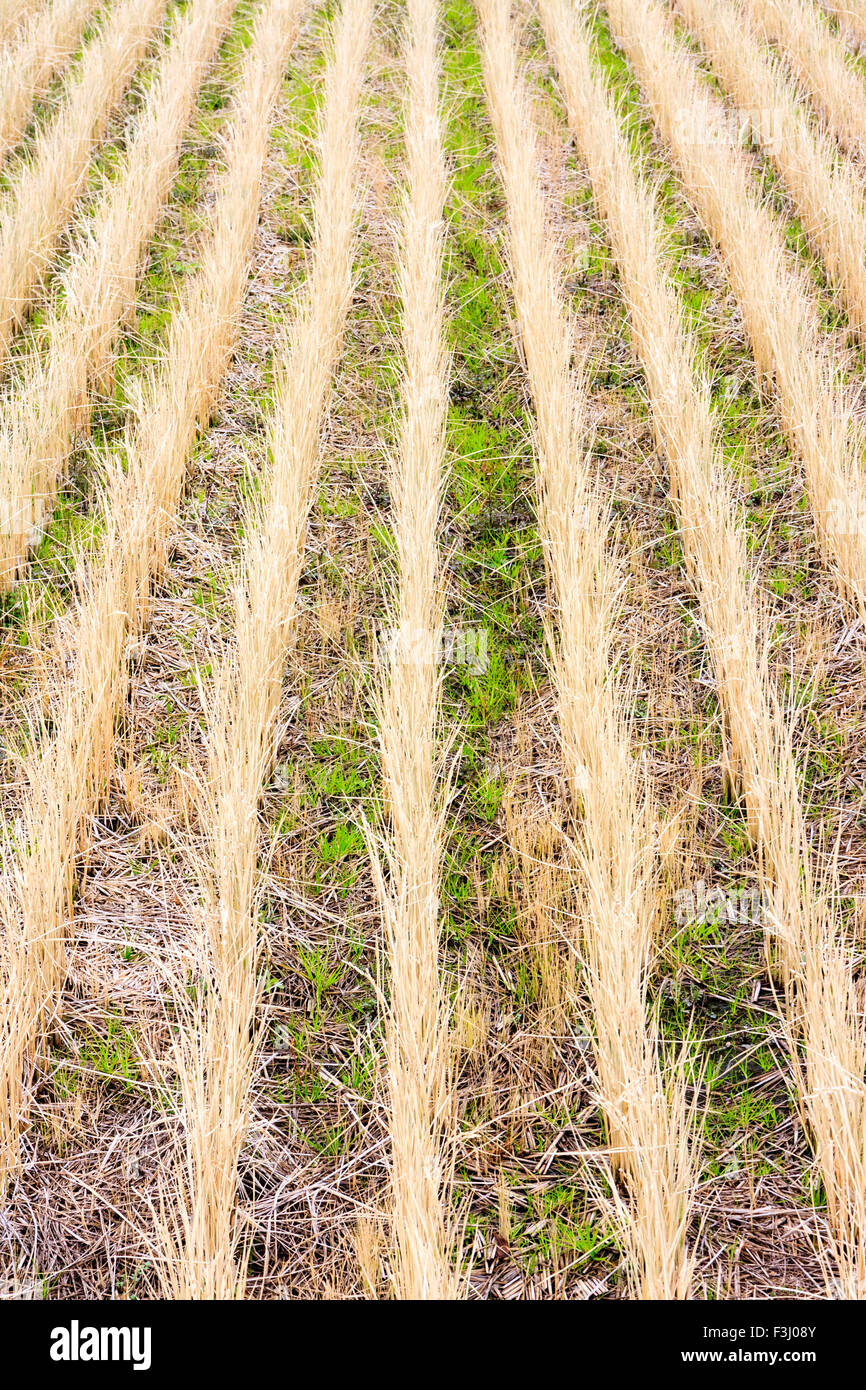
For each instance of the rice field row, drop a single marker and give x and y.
(432, 582)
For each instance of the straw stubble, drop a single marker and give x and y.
(69, 767)
(216, 1055)
(649, 1120)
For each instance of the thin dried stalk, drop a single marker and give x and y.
(218, 1051)
(12, 14)
(851, 15)
(69, 768)
(406, 864)
(48, 187)
(648, 1117)
(50, 402)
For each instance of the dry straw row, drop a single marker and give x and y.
(217, 1053)
(47, 186)
(819, 60)
(649, 1119)
(69, 767)
(46, 43)
(50, 401)
(407, 853)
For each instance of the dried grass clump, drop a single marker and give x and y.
(540, 882)
(851, 15)
(649, 1119)
(218, 1050)
(12, 13)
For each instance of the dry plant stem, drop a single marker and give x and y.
(827, 193)
(540, 884)
(812, 956)
(416, 1019)
(47, 42)
(47, 189)
(648, 1118)
(820, 61)
(68, 769)
(50, 403)
(827, 1039)
(851, 15)
(778, 306)
(218, 1057)
(12, 13)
